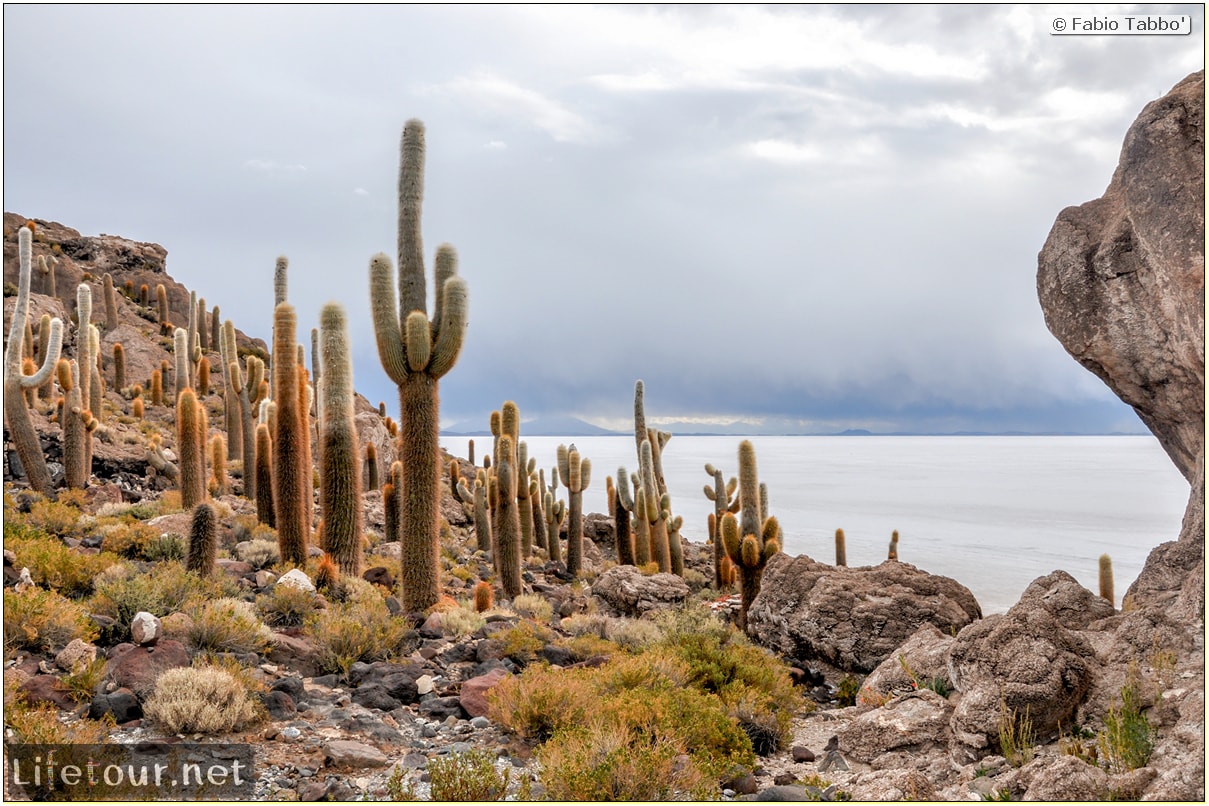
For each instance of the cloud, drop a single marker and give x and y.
(504, 99)
(275, 168)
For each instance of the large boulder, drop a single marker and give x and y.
(1073, 605)
(923, 658)
(628, 591)
(852, 618)
(913, 723)
(138, 668)
(1021, 665)
(1121, 279)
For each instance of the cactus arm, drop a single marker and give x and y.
(452, 331)
(418, 339)
(413, 292)
(391, 351)
(54, 346)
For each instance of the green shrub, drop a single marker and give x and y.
(60, 518)
(533, 606)
(467, 776)
(167, 588)
(228, 625)
(1128, 738)
(131, 540)
(53, 564)
(543, 700)
(201, 700)
(358, 629)
(43, 621)
(259, 553)
(524, 641)
(286, 606)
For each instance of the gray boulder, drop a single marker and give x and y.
(917, 723)
(925, 656)
(1073, 605)
(629, 592)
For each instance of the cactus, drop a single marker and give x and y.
(371, 467)
(291, 473)
(16, 413)
(203, 377)
(145, 295)
(470, 452)
(507, 521)
(576, 473)
(416, 353)
(893, 553)
(137, 407)
(753, 539)
(484, 597)
(111, 303)
(48, 275)
(203, 329)
(215, 327)
(189, 442)
(722, 494)
(161, 299)
(674, 544)
(537, 499)
(482, 518)
(556, 513)
(340, 454)
(218, 465)
(262, 473)
(1106, 586)
(46, 389)
(841, 548)
(84, 356)
(621, 520)
(203, 541)
(119, 366)
(526, 489)
(655, 509)
(390, 514)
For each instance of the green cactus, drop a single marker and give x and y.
(371, 467)
(291, 469)
(215, 327)
(1106, 586)
(242, 402)
(621, 520)
(16, 413)
(218, 465)
(722, 494)
(84, 356)
(119, 366)
(45, 340)
(180, 354)
(161, 299)
(203, 541)
(752, 540)
(537, 490)
(190, 439)
(416, 353)
(507, 521)
(556, 513)
(48, 276)
(470, 452)
(340, 453)
(526, 491)
(576, 473)
(655, 509)
(74, 418)
(111, 303)
(263, 475)
(477, 498)
(636, 506)
(841, 548)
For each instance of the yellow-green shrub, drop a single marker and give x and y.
(358, 629)
(286, 605)
(43, 620)
(534, 606)
(543, 700)
(227, 625)
(201, 700)
(53, 564)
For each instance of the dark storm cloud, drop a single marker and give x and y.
(828, 215)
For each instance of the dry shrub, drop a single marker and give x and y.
(358, 629)
(45, 724)
(535, 704)
(286, 606)
(53, 564)
(43, 621)
(259, 553)
(463, 620)
(533, 606)
(201, 700)
(228, 625)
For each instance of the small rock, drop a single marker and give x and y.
(473, 697)
(298, 578)
(480, 722)
(280, 705)
(782, 793)
(346, 753)
(76, 656)
(424, 684)
(312, 791)
(265, 578)
(290, 734)
(145, 629)
(743, 785)
(784, 779)
(24, 582)
(833, 761)
(801, 754)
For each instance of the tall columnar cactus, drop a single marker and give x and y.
(753, 539)
(190, 446)
(161, 299)
(111, 303)
(1106, 586)
(16, 413)
(45, 340)
(526, 491)
(416, 353)
(218, 465)
(621, 519)
(75, 421)
(215, 327)
(119, 366)
(537, 490)
(508, 531)
(263, 474)
(203, 325)
(656, 509)
(371, 467)
(157, 388)
(203, 377)
(470, 452)
(291, 472)
(556, 513)
(893, 553)
(84, 356)
(243, 398)
(576, 473)
(482, 517)
(180, 354)
(203, 541)
(841, 548)
(48, 276)
(340, 454)
(722, 494)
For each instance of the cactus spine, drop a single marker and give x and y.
(21, 427)
(416, 353)
(576, 473)
(291, 472)
(841, 548)
(753, 540)
(340, 454)
(1106, 586)
(189, 445)
(203, 541)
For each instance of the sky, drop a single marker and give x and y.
(798, 219)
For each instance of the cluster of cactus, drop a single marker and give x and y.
(416, 352)
(16, 380)
(722, 495)
(656, 531)
(752, 539)
(476, 497)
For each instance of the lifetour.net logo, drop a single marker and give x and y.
(150, 771)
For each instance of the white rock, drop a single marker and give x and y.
(76, 656)
(424, 684)
(145, 628)
(298, 578)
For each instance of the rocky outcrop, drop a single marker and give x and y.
(924, 657)
(1122, 279)
(1073, 605)
(853, 618)
(625, 589)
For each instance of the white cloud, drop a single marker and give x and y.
(508, 99)
(496, 145)
(360, 192)
(271, 167)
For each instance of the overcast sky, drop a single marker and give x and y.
(816, 218)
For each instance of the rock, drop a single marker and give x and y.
(121, 703)
(743, 785)
(853, 618)
(294, 652)
(76, 656)
(782, 793)
(279, 704)
(298, 578)
(891, 785)
(1073, 605)
(1024, 661)
(24, 581)
(355, 755)
(145, 629)
(441, 707)
(473, 697)
(424, 684)
(46, 688)
(176, 626)
(293, 686)
(917, 722)
(380, 576)
(626, 590)
(1121, 279)
(137, 668)
(311, 791)
(1064, 778)
(925, 655)
(833, 760)
(801, 754)
(373, 695)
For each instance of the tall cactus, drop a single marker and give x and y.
(161, 300)
(752, 540)
(508, 531)
(203, 541)
(190, 446)
(119, 366)
(340, 453)
(621, 518)
(556, 513)
(722, 494)
(576, 473)
(416, 353)
(291, 472)
(841, 548)
(892, 554)
(263, 474)
(111, 303)
(477, 498)
(20, 425)
(1106, 586)
(218, 465)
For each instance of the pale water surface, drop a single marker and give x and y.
(994, 513)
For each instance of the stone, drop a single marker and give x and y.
(298, 578)
(917, 722)
(743, 785)
(473, 697)
(852, 617)
(292, 686)
(801, 754)
(1121, 279)
(137, 668)
(355, 755)
(46, 688)
(373, 695)
(925, 655)
(1023, 660)
(176, 626)
(145, 629)
(76, 656)
(625, 589)
(891, 785)
(441, 707)
(424, 684)
(380, 576)
(783, 793)
(1073, 605)
(294, 652)
(121, 703)
(279, 704)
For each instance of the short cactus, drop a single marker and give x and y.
(484, 597)
(722, 494)
(371, 467)
(119, 366)
(218, 465)
(263, 475)
(893, 553)
(1106, 586)
(752, 540)
(203, 541)
(841, 548)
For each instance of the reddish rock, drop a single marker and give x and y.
(46, 688)
(473, 697)
(137, 668)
